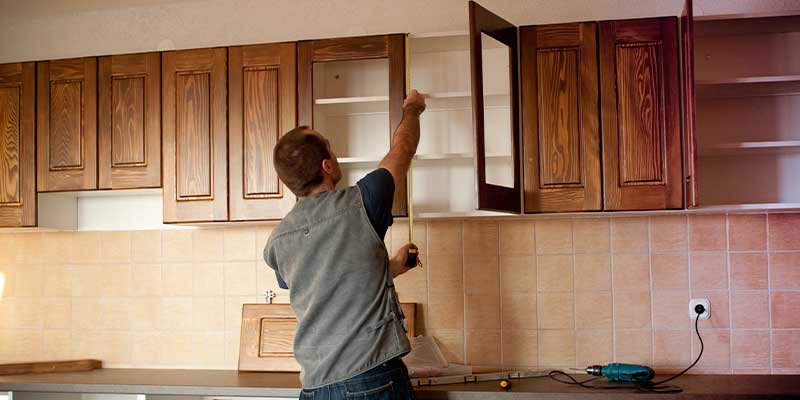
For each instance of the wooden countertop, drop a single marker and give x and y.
(273, 384)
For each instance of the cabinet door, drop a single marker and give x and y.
(261, 108)
(689, 106)
(194, 121)
(498, 180)
(129, 121)
(640, 110)
(17, 145)
(390, 47)
(560, 118)
(66, 125)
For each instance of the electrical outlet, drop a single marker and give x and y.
(705, 303)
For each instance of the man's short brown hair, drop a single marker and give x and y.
(298, 160)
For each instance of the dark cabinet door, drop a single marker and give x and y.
(261, 108)
(689, 106)
(560, 118)
(391, 47)
(500, 190)
(639, 81)
(66, 125)
(17, 145)
(129, 121)
(194, 121)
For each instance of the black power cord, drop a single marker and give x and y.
(652, 387)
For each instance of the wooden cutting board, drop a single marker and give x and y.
(50, 366)
(267, 337)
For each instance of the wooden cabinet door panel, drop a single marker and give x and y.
(560, 118)
(129, 121)
(640, 110)
(66, 125)
(17, 145)
(194, 121)
(261, 108)
(689, 106)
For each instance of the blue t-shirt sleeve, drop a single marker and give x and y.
(377, 192)
(272, 262)
(281, 283)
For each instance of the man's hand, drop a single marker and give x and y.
(397, 265)
(414, 103)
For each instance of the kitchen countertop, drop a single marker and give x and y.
(275, 384)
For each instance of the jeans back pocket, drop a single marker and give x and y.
(383, 392)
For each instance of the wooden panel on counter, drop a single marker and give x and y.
(17, 145)
(67, 125)
(50, 366)
(129, 121)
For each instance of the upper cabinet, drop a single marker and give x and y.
(195, 128)
(352, 90)
(129, 121)
(17, 141)
(261, 108)
(66, 125)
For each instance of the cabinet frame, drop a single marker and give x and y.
(692, 191)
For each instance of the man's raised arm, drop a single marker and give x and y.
(405, 139)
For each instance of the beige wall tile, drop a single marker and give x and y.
(445, 311)
(671, 348)
(553, 236)
(749, 270)
(481, 275)
(594, 346)
(750, 349)
(632, 310)
(631, 271)
(592, 272)
(232, 350)
(262, 235)
(717, 351)
(209, 349)
(208, 279)
(145, 348)
(554, 273)
(670, 271)
(719, 301)
(239, 244)
(26, 248)
(669, 233)
(444, 238)
(556, 310)
(451, 343)
(517, 273)
(233, 311)
(28, 313)
(116, 280)
(556, 348)
(177, 279)
(784, 231)
(56, 281)
(115, 246)
(177, 349)
(784, 350)
(113, 348)
(785, 270)
(747, 231)
(146, 246)
(517, 238)
(86, 247)
(146, 314)
(709, 270)
(707, 232)
(520, 348)
(208, 244)
(176, 245)
(208, 314)
(176, 313)
(146, 280)
(593, 310)
(482, 312)
(518, 310)
(240, 278)
(57, 313)
(27, 344)
(445, 273)
(483, 347)
(28, 280)
(412, 286)
(399, 236)
(57, 344)
(480, 239)
(750, 309)
(629, 235)
(85, 279)
(669, 309)
(634, 346)
(85, 312)
(591, 235)
(56, 247)
(115, 313)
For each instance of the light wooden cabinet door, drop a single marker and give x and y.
(67, 125)
(129, 121)
(261, 108)
(194, 121)
(640, 109)
(560, 118)
(17, 145)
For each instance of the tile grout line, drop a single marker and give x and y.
(652, 306)
(500, 296)
(463, 293)
(769, 293)
(574, 297)
(613, 291)
(730, 292)
(689, 284)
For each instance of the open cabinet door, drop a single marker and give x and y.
(495, 99)
(689, 105)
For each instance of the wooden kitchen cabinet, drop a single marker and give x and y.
(17, 142)
(641, 115)
(66, 129)
(129, 121)
(194, 122)
(560, 118)
(352, 90)
(261, 108)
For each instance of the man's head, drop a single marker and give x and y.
(304, 160)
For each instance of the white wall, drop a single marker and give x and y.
(52, 29)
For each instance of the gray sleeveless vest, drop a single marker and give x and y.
(337, 269)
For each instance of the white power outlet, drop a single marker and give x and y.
(705, 303)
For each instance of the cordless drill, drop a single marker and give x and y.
(618, 372)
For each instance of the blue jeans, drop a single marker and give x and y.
(388, 381)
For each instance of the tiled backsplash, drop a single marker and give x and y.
(511, 293)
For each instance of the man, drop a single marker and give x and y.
(329, 252)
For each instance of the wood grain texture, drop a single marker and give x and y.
(129, 121)
(261, 108)
(692, 192)
(560, 118)
(350, 48)
(639, 77)
(194, 92)
(50, 367)
(397, 94)
(67, 125)
(493, 197)
(267, 336)
(17, 145)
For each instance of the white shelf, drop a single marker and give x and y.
(755, 147)
(750, 79)
(352, 100)
(420, 157)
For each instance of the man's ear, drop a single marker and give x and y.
(327, 166)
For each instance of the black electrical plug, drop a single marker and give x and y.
(699, 309)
